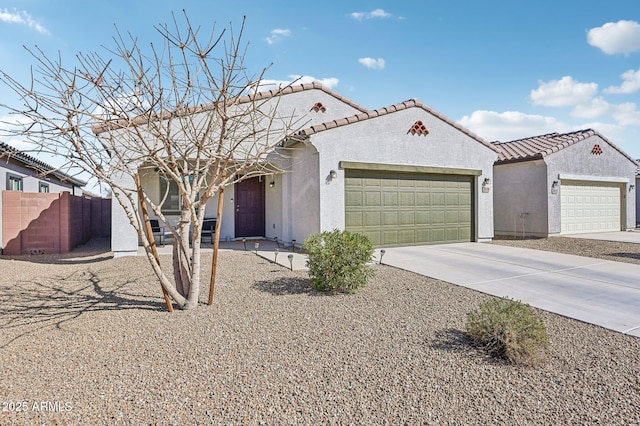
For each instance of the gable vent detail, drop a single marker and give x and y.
(597, 150)
(418, 129)
(318, 107)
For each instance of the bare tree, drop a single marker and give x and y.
(185, 109)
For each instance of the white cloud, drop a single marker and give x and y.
(627, 114)
(510, 125)
(374, 64)
(330, 82)
(277, 35)
(563, 92)
(377, 13)
(631, 83)
(22, 18)
(592, 108)
(619, 37)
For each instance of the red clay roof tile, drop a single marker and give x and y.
(537, 147)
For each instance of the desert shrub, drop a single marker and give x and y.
(337, 260)
(509, 329)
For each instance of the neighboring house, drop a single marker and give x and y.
(637, 185)
(402, 175)
(22, 172)
(569, 183)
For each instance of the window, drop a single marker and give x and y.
(171, 203)
(14, 182)
(43, 187)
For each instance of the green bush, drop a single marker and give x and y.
(337, 260)
(509, 329)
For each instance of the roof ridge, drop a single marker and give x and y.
(265, 94)
(29, 161)
(410, 103)
(555, 142)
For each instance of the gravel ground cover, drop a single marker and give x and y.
(86, 340)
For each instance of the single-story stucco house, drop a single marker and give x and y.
(402, 175)
(637, 185)
(22, 172)
(568, 183)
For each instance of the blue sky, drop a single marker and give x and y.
(502, 68)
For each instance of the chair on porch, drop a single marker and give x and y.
(159, 231)
(209, 228)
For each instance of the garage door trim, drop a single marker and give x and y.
(604, 179)
(405, 168)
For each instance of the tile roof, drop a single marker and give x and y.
(294, 88)
(537, 147)
(411, 103)
(7, 152)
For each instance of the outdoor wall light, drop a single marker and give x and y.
(554, 185)
(632, 187)
(486, 182)
(272, 184)
(333, 174)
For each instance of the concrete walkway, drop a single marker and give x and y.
(595, 291)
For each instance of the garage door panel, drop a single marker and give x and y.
(423, 217)
(390, 199)
(390, 218)
(407, 218)
(372, 199)
(406, 208)
(590, 207)
(390, 237)
(353, 199)
(372, 218)
(353, 219)
(407, 199)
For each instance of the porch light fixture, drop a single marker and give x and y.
(486, 182)
(554, 187)
(333, 174)
(632, 187)
(272, 184)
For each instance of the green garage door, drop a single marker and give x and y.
(396, 209)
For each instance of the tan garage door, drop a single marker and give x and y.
(590, 207)
(395, 209)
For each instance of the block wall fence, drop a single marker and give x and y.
(37, 223)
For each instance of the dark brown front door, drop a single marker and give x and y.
(249, 201)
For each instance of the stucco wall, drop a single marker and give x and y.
(520, 199)
(637, 201)
(302, 194)
(386, 140)
(578, 161)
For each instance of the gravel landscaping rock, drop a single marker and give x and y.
(87, 340)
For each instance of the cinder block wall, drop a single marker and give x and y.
(36, 223)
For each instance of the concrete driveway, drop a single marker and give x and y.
(620, 236)
(595, 291)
